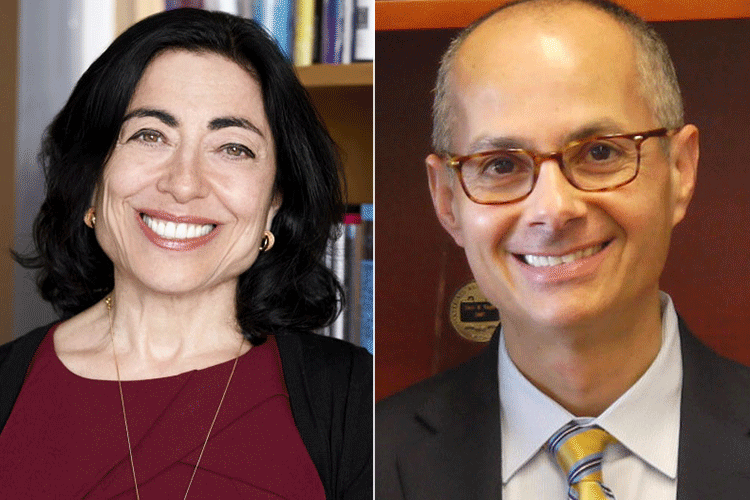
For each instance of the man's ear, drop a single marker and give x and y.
(684, 154)
(442, 188)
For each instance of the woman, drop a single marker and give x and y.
(191, 190)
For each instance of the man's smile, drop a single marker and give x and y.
(536, 260)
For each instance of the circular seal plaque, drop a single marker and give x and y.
(472, 316)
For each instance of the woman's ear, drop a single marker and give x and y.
(273, 209)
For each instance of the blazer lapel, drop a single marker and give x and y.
(714, 451)
(460, 456)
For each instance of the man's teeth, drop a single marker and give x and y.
(556, 260)
(176, 231)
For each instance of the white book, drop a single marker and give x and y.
(364, 30)
(347, 32)
(228, 6)
(338, 266)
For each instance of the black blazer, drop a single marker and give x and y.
(330, 392)
(440, 439)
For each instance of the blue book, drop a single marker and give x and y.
(366, 276)
(331, 36)
(277, 16)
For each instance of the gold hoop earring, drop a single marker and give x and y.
(90, 218)
(267, 242)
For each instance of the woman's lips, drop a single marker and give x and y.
(176, 232)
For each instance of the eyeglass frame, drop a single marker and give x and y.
(456, 161)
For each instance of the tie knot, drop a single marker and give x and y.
(579, 452)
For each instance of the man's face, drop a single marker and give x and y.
(539, 83)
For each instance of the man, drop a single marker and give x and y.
(562, 165)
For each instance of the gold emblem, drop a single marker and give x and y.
(472, 316)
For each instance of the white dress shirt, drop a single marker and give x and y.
(645, 420)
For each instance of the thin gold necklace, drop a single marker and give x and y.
(109, 301)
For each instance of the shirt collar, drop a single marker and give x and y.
(645, 419)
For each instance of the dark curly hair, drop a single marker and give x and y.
(287, 289)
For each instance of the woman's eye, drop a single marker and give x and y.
(238, 150)
(148, 136)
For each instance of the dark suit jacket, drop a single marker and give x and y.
(440, 439)
(330, 391)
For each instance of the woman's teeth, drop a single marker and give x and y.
(176, 231)
(556, 260)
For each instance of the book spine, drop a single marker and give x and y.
(347, 31)
(367, 271)
(245, 8)
(364, 30)
(179, 4)
(338, 266)
(304, 33)
(277, 17)
(228, 6)
(352, 229)
(330, 52)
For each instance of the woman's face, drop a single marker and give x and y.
(189, 187)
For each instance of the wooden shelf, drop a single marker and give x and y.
(431, 14)
(342, 93)
(336, 75)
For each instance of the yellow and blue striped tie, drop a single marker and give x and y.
(579, 452)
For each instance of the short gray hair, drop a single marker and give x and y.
(658, 80)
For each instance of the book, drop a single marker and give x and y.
(277, 17)
(304, 33)
(364, 30)
(347, 31)
(352, 284)
(228, 6)
(350, 257)
(331, 25)
(179, 4)
(367, 271)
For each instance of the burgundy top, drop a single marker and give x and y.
(66, 436)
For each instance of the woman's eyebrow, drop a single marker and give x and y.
(160, 115)
(233, 121)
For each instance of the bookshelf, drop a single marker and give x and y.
(420, 268)
(429, 14)
(336, 75)
(343, 96)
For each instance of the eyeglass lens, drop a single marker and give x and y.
(501, 176)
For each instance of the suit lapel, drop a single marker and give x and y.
(714, 452)
(459, 458)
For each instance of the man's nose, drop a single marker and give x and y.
(553, 201)
(184, 175)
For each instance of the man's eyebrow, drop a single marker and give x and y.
(593, 129)
(233, 121)
(160, 115)
(491, 143)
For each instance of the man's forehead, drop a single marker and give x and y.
(542, 78)
(559, 31)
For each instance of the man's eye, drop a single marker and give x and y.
(500, 165)
(238, 150)
(602, 152)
